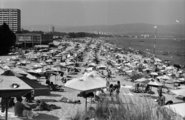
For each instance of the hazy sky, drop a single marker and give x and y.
(97, 12)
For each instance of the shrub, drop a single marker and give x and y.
(128, 108)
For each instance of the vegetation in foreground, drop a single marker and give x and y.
(127, 109)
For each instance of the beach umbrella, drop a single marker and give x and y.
(1, 71)
(23, 62)
(49, 60)
(37, 66)
(181, 79)
(6, 67)
(11, 73)
(15, 58)
(179, 92)
(89, 69)
(169, 68)
(12, 86)
(21, 71)
(129, 72)
(63, 64)
(56, 69)
(154, 73)
(142, 80)
(157, 60)
(43, 64)
(101, 66)
(37, 87)
(155, 84)
(56, 43)
(91, 65)
(164, 77)
(58, 55)
(88, 82)
(36, 71)
(177, 81)
(44, 55)
(178, 108)
(68, 63)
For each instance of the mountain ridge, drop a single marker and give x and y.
(117, 28)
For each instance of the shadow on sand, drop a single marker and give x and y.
(54, 95)
(48, 100)
(43, 116)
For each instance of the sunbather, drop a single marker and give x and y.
(67, 100)
(42, 106)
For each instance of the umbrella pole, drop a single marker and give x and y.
(55, 78)
(6, 108)
(86, 105)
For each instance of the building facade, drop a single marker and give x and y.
(33, 38)
(12, 17)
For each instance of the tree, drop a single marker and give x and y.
(7, 39)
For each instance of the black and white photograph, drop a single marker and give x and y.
(92, 59)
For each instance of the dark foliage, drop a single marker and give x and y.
(84, 34)
(80, 34)
(7, 39)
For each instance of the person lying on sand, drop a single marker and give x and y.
(42, 106)
(67, 100)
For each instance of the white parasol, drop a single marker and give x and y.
(155, 84)
(177, 108)
(154, 73)
(89, 82)
(180, 92)
(142, 80)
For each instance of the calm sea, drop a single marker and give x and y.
(166, 48)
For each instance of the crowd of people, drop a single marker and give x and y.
(93, 55)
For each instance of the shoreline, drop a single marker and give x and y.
(168, 57)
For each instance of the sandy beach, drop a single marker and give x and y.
(67, 110)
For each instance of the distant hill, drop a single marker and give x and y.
(135, 28)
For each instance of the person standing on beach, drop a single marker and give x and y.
(111, 89)
(118, 87)
(3, 104)
(107, 85)
(159, 90)
(161, 99)
(109, 74)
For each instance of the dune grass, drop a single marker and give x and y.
(126, 109)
